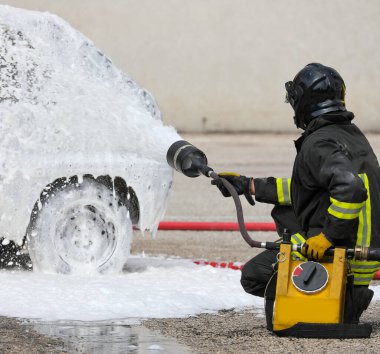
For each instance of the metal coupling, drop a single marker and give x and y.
(361, 253)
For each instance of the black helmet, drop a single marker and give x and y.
(315, 90)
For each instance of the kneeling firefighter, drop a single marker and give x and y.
(333, 196)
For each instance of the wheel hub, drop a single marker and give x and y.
(85, 235)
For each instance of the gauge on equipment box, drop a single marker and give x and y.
(310, 277)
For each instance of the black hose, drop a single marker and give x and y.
(373, 254)
(239, 210)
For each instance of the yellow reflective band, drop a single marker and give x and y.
(288, 182)
(364, 275)
(361, 264)
(280, 192)
(347, 214)
(298, 239)
(234, 174)
(361, 282)
(364, 267)
(364, 228)
(364, 263)
(283, 191)
(345, 205)
(365, 270)
(363, 279)
(344, 210)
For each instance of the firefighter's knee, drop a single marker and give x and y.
(257, 272)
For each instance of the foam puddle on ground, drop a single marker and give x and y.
(101, 314)
(149, 288)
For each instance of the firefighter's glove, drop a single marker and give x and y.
(316, 246)
(241, 184)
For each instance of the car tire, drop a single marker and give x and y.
(79, 228)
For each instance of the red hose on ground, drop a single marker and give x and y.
(215, 226)
(230, 265)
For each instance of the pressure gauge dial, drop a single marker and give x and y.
(310, 277)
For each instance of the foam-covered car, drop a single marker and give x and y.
(82, 148)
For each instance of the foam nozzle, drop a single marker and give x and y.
(187, 159)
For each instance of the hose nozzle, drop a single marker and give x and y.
(187, 159)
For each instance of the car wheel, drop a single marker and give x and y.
(79, 228)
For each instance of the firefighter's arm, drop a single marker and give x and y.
(266, 190)
(273, 190)
(331, 165)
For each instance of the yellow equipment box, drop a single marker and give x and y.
(321, 303)
(310, 298)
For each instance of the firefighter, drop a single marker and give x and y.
(332, 198)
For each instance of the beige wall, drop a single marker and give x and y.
(220, 65)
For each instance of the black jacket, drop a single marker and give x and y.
(334, 187)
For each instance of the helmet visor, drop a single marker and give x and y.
(290, 96)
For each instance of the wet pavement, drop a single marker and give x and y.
(108, 337)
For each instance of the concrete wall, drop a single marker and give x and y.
(221, 65)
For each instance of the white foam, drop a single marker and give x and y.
(65, 110)
(153, 287)
(376, 289)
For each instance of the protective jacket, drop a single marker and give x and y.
(334, 188)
